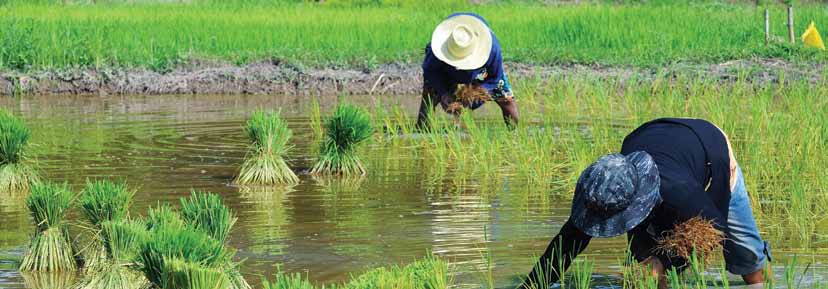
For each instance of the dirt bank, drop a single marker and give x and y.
(275, 77)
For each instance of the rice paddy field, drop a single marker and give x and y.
(154, 34)
(305, 192)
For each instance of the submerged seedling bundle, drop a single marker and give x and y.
(188, 249)
(51, 249)
(106, 205)
(265, 163)
(15, 176)
(348, 127)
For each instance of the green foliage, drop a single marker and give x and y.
(113, 276)
(164, 216)
(105, 200)
(14, 136)
(50, 251)
(348, 127)
(206, 212)
(264, 163)
(180, 274)
(48, 204)
(180, 245)
(123, 239)
(429, 273)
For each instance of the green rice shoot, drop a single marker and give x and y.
(206, 212)
(122, 240)
(50, 249)
(344, 131)
(169, 244)
(180, 274)
(265, 163)
(15, 176)
(105, 200)
(163, 216)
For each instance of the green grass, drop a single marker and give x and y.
(105, 200)
(15, 175)
(206, 212)
(164, 216)
(160, 36)
(344, 131)
(264, 163)
(51, 249)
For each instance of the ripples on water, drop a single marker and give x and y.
(167, 145)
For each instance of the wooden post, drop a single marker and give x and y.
(791, 24)
(767, 28)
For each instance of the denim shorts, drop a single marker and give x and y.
(744, 252)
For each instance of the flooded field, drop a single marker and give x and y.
(489, 226)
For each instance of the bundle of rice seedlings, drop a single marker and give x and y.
(348, 127)
(181, 245)
(466, 95)
(105, 200)
(122, 240)
(207, 212)
(288, 281)
(692, 238)
(179, 274)
(51, 249)
(163, 216)
(265, 163)
(15, 176)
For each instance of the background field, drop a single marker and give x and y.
(159, 34)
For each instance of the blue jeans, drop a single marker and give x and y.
(744, 250)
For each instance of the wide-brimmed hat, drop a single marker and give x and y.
(462, 41)
(615, 194)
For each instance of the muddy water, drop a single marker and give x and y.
(167, 145)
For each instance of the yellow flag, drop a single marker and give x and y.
(812, 38)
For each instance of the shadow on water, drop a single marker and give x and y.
(409, 203)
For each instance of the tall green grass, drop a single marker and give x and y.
(161, 36)
(264, 163)
(206, 212)
(50, 249)
(15, 175)
(177, 246)
(348, 127)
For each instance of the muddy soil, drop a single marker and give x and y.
(276, 77)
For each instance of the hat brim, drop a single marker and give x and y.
(647, 196)
(478, 57)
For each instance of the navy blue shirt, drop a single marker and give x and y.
(443, 78)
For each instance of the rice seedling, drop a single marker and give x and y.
(15, 175)
(105, 200)
(163, 216)
(344, 131)
(694, 237)
(265, 163)
(207, 212)
(189, 251)
(582, 274)
(288, 281)
(180, 274)
(122, 240)
(50, 249)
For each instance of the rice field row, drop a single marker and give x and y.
(159, 35)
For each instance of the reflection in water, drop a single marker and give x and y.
(411, 202)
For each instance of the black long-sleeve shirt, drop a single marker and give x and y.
(693, 163)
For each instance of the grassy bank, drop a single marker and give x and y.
(160, 36)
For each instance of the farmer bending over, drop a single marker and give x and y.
(669, 170)
(463, 67)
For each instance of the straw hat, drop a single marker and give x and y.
(462, 41)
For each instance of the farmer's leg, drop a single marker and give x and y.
(426, 109)
(745, 252)
(509, 110)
